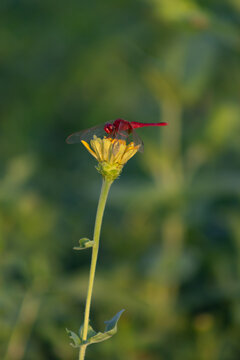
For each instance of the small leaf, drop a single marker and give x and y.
(112, 324)
(92, 336)
(84, 243)
(76, 339)
(110, 330)
(90, 332)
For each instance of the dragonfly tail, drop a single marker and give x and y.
(136, 125)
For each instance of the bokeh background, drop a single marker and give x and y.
(170, 246)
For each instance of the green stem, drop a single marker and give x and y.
(98, 223)
(82, 352)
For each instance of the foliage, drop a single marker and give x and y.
(94, 337)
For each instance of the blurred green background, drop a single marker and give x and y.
(170, 245)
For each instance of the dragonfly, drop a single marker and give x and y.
(119, 129)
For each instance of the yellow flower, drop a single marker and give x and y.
(111, 155)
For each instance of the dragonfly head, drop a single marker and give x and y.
(108, 127)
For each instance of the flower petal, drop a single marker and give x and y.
(97, 146)
(89, 149)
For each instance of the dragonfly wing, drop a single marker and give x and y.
(75, 137)
(86, 135)
(122, 131)
(137, 141)
(126, 132)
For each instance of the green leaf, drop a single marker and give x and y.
(110, 330)
(84, 243)
(112, 324)
(76, 341)
(94, 337)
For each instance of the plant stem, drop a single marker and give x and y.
(82, 352)
(98, 223)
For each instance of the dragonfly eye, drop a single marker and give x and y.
(108, 128)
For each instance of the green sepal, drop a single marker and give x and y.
(110, 172)
(84, 243)
(76, 341)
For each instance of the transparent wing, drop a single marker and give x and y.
(137, 141)
(86, 135)
(129, 135)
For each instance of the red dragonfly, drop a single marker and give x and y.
(119, 129)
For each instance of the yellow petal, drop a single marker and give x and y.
(107, 145)
(130, 152)
(118, 152)
(97, 145)
(128, 156)
(88, 148)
